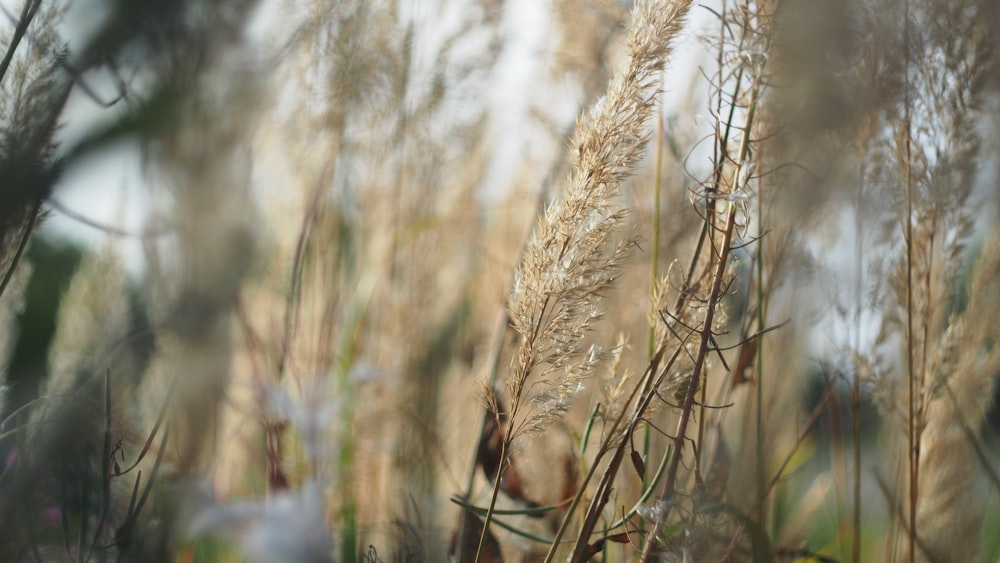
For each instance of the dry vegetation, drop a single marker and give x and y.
(487, 281)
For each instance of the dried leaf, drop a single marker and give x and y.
(639, 464)
(618, 538)
(490, 448)
(596, 547)
(488, 456)
(748, 353)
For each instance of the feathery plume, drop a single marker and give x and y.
(951, 508)
(573, 258)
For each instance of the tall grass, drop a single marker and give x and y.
(384, 312)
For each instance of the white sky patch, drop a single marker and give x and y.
(843, 286)
(84, 19)
(520, 80)
(106, 190)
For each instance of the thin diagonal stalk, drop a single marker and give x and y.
(651, 372)
(568, 264)
(689, 399)
(669, 486)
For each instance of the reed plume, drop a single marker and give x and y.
(577, 252)
(963, 375)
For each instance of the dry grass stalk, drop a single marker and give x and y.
(963, 373)
(573, 258)
(935, 145)
(343, 330)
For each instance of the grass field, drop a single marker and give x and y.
(503, 281)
